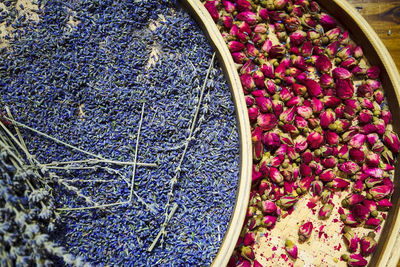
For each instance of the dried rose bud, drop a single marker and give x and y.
(291, 249)
(305, 231)
(277, 51)
(373, 172)
(380, 192)
(357, 140)
(212, 9)
(331, 49)
(358, 186)
(247, 252)
(244, 263)
(256, 134)
(327, 175)
(264, 104)
(286, 202)
(304, 184)
(247, 82)
(344, 52)
(349, 167)
(323, 64)
(239, 57)
(379, 96)
(356, 155)
(373, 223)
(360, 212)
(287, 115)
(306, 157)
(326, 80)
(306, 49)
(341, 73)
(368, 244)
(315, 140)
(253, 113)
(327, 21)
(391, 140)
(229, 6)
(249, 17)
(275, 175)
(256, 264)
(384, 204)
(266, 121)
(327, 118)
(285, 94)
(333, 34)
(338, 183)
(329, 162)
(358, 52)
(299, 89)
(349, 63)
(355, 260)
(313, 88)
(286, 139)
(304, 111)
(249, 238)
(325, 211)
(270, 87)
(344, 88)
(297, 38)
(352, 199)
(350, 239)
(373, 72)
(300, 143)
(235, 46)
(267, 207)
(242, 5)
(269, 221)
(294, 101)
(378, 147)
(258, 150)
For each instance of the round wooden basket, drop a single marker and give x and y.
(387, 252)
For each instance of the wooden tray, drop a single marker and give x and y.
(387, 252)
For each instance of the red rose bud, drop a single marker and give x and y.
(253, 113)
(391, 140)
(212, 9)
(229, 6)
(373, 223)
(299, 63)
(360, 212)
(269, 221)
(378, 147)
(368, 244)
(286, 202)
(270, 87)
(256, 135)
(304, 111)
(344, 88)
(349, 63)
(287, 115)
(306, 49)
(355, 260)
(386, 116)
(333, 34)
(372, 139)
(249, 238)
(326, 80)
(338, 183)
(247, 252)
(264, 104)
(358, 186)
(345, 38)
(371, 182)
(365, 116)
(294, 101)
(341, 73)
(349, 167)
(356, 155)
(352, 199)
(327, 118)
(268, 70)
(315, 140)
(349, 220)
(329, 162)
(384, 204)
(300, 143)
(277, 161)
(317, 187)
(305, 184)
(228, 21)
(313, 88)
(299, 89)
(344, 53)
(327, 21)
(257, 264)
(282, 150)
(277, 51)
(373, 72)
(331, 138)
(357, 140)
(379, 96)
(369, 204)
(372, 159)
(327, 175)
(235, 46)
(247, 82)
(258, 150)
(243, 5)
(350, 240)
(325, 211)
(297, 38)
(267, 207)
(285, 94)
(331, 101)
(373, 172)
(305, 231)
(291, 249)
(266, 121)
(380, 192)
(252, 51)
(275, 175)
(331, 49)
(239, 57)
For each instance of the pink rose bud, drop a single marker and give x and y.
(323, 64)
(355, 260)
(358, 52)
(331, 101)
(372, 139)
(268, 207)
(228, 21)
(286, 202)
(299, 89)
(287, 115)
(391, 140)
(331, 138)
(327, 118)
(253, 113)
(325, 211)
(372, 159)
(247, 252)
(305, 231)
(327, 175)
(258, 151)
(306, 49)
(331, 49)
(270, 87)
(373, 72)
(243, 5)
(268, 70)
(291, 249)
(229, 6)
(300, 143)
(305, 184)
(344, 88)
(304, 111)
(235, 46)
(329, 162)
(266, 121)
(379, 96)
(384, 204)
(373, 172)
(378, 147)
(249, 17)
(300, 122)
(371, 182)
(315, 140)
(264, 14)
(380, 192)
(313, 88)
(368, 244)
(316, 105)
(356, 155)
(239, 57)
(252, 51)
(294, 101)
(256, 135)
(358, 186)
(369, 204)
(277, 51)
(386, 116)
(269, 221)
(344, 53)
(285, 94)
(372, 223)
(364, 90)
(326, 80)
(357, 70)
(333, 34)
(317, 187)
(345, 38)
(350, 240)
(212, 9)
(297, 38)
(248, 67)
(338, 183)
(249, 238)
(286, 139)
(341, 73)
(280, 4)
(244, 27)
(349, 167)
(357, 140)
(306, 157)
(264, 104)
(261, 28)
(327, 21)
(247, 82)
(352, 199)
(360, 212)
(275, 175)
(349, 220)
(282, 150)
(365, 116)
(349, 63)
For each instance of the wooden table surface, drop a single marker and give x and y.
(384, 17)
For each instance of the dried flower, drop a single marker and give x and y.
(291, 249)
(325, 211)
(350, 239)
(212, 9)
(354, 260)
(344, 88)
(341, 73)
(368, 244)
(373, 72)
(266, 121)
(305, 231)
